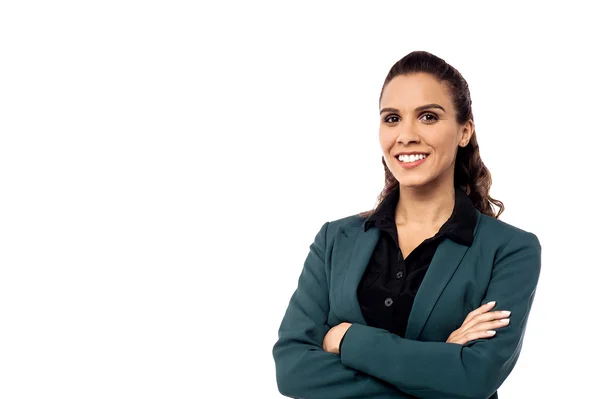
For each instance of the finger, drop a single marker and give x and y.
(490, 325)
(473, 335)
(482, 309)
(487, 326)
(495, 315)
(484, 317)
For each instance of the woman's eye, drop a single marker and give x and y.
(433, 117)
(391, 119)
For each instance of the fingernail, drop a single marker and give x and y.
(491, 302)
(506, 312)
(490, 332)
(505, 320)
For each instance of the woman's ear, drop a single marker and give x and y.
(466, 133)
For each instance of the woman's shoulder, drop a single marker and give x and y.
(490, 226)
(343, 225)
(354, 220)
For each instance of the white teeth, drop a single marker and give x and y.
(411, 158)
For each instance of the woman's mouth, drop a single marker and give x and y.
(411, 161)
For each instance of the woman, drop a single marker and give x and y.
(428, 294)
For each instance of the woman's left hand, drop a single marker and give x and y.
(331, 342)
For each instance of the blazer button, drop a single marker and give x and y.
(399, 274)
(388, 302)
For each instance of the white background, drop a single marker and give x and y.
(165, 165)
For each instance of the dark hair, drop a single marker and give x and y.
(470, 174)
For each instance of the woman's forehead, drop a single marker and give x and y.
(412, 91)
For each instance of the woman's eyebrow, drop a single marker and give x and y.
(421, 108)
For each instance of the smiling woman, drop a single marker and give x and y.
(445, 125)
(412, 298)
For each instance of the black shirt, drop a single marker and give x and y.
(389, 284)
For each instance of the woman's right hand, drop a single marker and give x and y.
(480, 323)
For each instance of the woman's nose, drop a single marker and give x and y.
(407, 133)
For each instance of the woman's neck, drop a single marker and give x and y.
(424, 207)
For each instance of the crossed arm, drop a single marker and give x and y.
(377, 364)
(303, 368)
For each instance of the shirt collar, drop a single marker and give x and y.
(459, 227)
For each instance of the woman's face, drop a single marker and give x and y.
(411, 121)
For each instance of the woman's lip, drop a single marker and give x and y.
(410, 165)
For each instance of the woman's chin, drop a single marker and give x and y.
(413, 181)
(410, 184)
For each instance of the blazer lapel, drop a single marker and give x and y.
(354, 252)
(445, 261)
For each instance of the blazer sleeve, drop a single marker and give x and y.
(303, 368)
(440, 369)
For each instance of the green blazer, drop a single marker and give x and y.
(502, 265)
